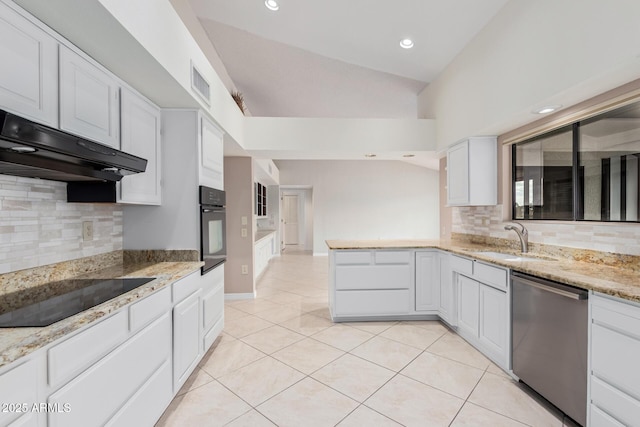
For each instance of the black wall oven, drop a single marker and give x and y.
(213, 245)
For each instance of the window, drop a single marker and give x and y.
(260, 208)
(588, 171)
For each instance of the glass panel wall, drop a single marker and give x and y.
(609, 151)
(589, 171)
(543, 172)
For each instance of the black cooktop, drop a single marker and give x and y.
(58, 300)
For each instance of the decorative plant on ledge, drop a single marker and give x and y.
(239, 98)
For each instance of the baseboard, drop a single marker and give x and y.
(232, 297)
(321, 254)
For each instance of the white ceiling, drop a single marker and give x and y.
(363, 32)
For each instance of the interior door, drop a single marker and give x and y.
(291, 221)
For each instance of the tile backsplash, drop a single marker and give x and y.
(39, 227)
(488, 221)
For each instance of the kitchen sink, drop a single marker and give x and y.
(510, 257)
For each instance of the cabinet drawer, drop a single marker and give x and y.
(212, 279)
(185, 287)
(372, 302)
(613, 401)
(18, 386)
(461, 265)
(115, 378)
(353, 257)
(616, 315)
(600, 419)
(76, 354)
(392, 257)
(614, 359)
(150, 308)
(492, 276)
(373, 277)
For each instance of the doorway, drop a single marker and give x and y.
(290, 218)
(296, 220)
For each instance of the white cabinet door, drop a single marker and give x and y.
(447, 306)
(472, 172)
(458, 174)
(141, 137)
(427, 281)
(493, 321)
(211, 155)
(18, 388)
(28, 69)
(468, 305)
(89, 100)
(186, 339)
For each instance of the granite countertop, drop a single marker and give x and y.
(261, 234)
(619, 278)
(18, 342)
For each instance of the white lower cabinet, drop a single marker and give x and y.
(483, 316)
(186, 339)
(468, 305)
(122, 370)
(427, 281)
(18, 388)
(614, 380)
(264, 251)
(212, 306)
(448, 296)
(494, 322)
(115, 379)
(372, 283)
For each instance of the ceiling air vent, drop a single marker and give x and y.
(200, 85)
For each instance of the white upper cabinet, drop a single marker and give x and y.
(472, 172)
(89, 100)
(211, 155)
(141, 137)
(28, 69)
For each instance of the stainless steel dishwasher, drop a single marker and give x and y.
(549, 341)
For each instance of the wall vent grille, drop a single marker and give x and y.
(200, 85)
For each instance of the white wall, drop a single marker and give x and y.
(366, 199)
(269, 137)
(533, 53)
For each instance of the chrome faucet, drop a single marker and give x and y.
(522, 233)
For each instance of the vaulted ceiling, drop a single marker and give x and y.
(337, 58)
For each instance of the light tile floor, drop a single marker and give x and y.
(281, 361)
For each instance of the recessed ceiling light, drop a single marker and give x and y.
(272, 4)
(547, 109)
(406, 43)
(370, 155)
(408, 155)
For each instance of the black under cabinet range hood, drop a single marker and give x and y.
(33, 150)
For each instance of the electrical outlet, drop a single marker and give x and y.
(245, 269)
(243, 232)
(87, 230)
(243, 219)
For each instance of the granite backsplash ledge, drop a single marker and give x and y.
(17, 281)
(627, 262)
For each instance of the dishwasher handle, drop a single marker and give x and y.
(577, 294)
